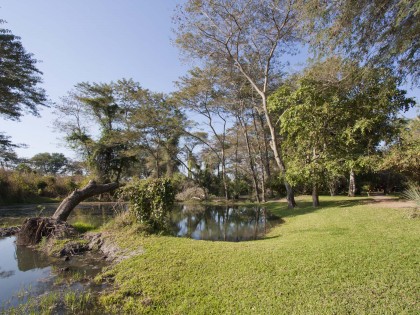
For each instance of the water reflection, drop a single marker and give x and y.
(95, 214)
(23, 269)
(28, 259)
(221, 223)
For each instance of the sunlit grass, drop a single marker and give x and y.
(347, 257)
(83, 227)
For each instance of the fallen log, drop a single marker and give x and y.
(34, 229)
(70, 202)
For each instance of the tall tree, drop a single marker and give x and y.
(337, 114)
(249, 35)
(19, 84)
(380, 32)
(200, 94)
(95, 105)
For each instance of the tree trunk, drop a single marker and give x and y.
(291, 203)
(77, 196)
(352, 184)
(315, 196)
(332, 186)
(251, 160)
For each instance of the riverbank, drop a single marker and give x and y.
(348, 256)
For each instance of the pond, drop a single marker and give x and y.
(25, 272)
(221, 223)
(94, 213)
(214, 223)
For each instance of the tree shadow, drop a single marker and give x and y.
(281, 210)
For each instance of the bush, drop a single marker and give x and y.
(412, 193)
(151, 200)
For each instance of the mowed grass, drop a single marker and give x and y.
(346, 257)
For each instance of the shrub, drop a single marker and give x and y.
(412, 193)
(151, 200)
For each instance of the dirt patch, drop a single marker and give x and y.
(112, 252)
(391, 202)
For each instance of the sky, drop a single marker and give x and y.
(94, 41)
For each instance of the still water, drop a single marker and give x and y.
(221, 223)
(24, 270)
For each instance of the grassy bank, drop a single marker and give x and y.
(349, 256)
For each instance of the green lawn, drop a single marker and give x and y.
(346, 257)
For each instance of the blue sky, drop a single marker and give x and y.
(96, 41)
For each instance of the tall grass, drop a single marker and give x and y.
(412, 193)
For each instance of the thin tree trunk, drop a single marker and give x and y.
(291, 203)
(332, 186)
(70, 202)
(352, 184)
(263, 173)
(251, 161)
(315, 196)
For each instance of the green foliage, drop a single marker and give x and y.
(333, 118)
(151, 200)
(138, 129)
(377, 32)
(26, 186)
(19, 78)
(413, 193)
(49, 163)
(403, 155)
(83, 227)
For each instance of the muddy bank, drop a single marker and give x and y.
(9, 231)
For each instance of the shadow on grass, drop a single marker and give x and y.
(305, 206)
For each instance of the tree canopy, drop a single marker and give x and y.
(379, 32)
(19, 78)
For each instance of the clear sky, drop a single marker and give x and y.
(95, 41)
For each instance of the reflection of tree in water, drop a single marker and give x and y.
(223, 223)
(6, 274)
(28, 258)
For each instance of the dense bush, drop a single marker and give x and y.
(27, 186)
(151, 200)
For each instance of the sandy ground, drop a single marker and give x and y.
(392, 202)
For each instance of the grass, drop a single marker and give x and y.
(83, 227)
(346, 257)
(62, 302)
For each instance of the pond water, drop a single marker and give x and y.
(95, 214)
(221, 223)
(24, 271)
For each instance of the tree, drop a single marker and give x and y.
(47, 163)
(19, 80)
(91, 105)
(249, 35)
(337, 115)
(138, 133)
(199, 93)
(380, 32)
(403, 154)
